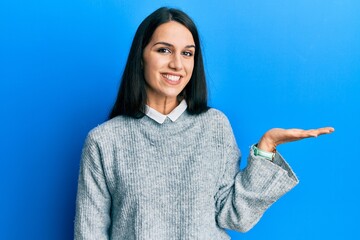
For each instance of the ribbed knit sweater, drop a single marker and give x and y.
(141, 180)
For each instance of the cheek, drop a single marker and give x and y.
(152, 66)
(148, 72)
(189, 68)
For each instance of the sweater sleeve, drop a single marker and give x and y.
(244, 196)
(93, 200)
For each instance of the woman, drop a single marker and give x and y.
(166, 166)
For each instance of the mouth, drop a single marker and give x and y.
(171, 78)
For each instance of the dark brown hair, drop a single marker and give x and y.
(131, 98)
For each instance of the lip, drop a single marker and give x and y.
(172, 81)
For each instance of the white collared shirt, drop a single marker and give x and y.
(173, 115)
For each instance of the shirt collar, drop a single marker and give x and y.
(173, 115)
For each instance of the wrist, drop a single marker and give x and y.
(265, 144)
(265, 154)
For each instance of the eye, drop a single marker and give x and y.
(163, 50)
(188, 53)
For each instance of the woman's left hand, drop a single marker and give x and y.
(276, 136)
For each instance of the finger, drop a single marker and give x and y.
(309, 133)
(313, 133)
(297, 133)
(325, 130)
(320, 131)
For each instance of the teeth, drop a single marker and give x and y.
(172, 77)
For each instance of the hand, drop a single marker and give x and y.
(276, 136)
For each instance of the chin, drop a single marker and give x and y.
(172, 94)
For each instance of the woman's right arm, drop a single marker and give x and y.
(93, 201)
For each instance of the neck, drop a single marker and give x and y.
(164, 106)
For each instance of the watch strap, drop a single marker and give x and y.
(258, 152)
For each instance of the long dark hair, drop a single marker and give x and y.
(131, 98)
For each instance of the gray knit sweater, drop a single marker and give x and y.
(141, 180)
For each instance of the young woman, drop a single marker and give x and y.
(166, 166)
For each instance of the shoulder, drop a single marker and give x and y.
(109, 129)
(215, 121)
(218, 123)
(214, 115)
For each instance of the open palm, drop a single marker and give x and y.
(277, 136)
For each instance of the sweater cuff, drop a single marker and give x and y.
(278, 167)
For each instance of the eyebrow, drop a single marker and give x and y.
(170, 45)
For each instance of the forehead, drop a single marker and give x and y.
(174, 33)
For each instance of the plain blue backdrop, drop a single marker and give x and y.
(269, 64)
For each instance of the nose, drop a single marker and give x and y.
(176, 62)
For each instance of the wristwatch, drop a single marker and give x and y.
(258, 152)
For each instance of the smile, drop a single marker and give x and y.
(172, 78)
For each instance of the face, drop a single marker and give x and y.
(168, 62)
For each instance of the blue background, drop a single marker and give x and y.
(269, 64)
